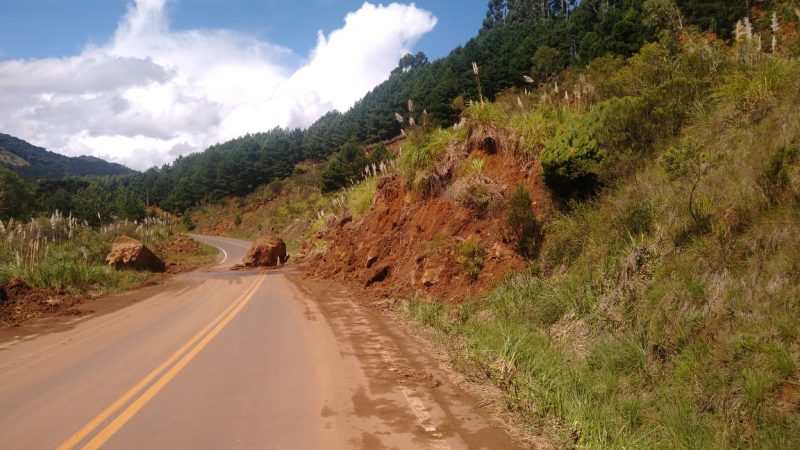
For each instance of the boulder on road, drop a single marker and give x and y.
(128, 253)
(267, 251)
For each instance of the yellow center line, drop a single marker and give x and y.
(214, 327)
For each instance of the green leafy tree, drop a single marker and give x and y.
(186, 220)
(16, 196)
(93, 204)
(127, 205)
(546, 62)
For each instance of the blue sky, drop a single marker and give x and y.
(54, 28)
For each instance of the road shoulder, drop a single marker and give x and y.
(397, 357)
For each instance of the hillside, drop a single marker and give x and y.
(616, 250)
(33, 162)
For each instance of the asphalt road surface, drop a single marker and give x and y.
(219, 359)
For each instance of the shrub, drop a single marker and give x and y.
(572, 161)
(521, 221)
(688, 164)
(237, 220)
(479, 197)
(471, 257)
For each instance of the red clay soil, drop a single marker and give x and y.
(404, 246)
(222, 228)
(20, 302)
(179, 243)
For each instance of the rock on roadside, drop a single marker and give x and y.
(267, 251)
(128, 253)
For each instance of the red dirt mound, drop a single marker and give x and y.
(222, 228)
(22, 302)
(405, 246)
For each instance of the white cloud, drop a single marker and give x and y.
(151, 93)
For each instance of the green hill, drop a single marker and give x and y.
(32, 162)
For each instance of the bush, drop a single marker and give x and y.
(521, 221)
(572, 161)
(471, 257)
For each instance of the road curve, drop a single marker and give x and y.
(231, 359)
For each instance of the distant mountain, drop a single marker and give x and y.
(34, 162)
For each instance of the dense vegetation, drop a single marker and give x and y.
(33, 162)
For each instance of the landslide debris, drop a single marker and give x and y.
(128, 253)
(405, 245)
(267, 251)
(20, 302)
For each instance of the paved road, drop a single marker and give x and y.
(221, 359)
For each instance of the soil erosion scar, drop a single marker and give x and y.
(186, 353)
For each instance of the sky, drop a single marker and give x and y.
(140, 82)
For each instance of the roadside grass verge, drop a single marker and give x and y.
(661, 310)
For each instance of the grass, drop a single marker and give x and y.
(359, 197)
(78, 278)
(642, 327)
(421, 151)
(63, 256)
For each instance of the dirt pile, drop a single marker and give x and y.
(128, 253)
(179, 243)
(20, 302)
(267, 251)
(221, 228)
(438, 247)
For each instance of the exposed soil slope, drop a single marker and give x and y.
(405, 246)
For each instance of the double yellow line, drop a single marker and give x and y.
(183, 356)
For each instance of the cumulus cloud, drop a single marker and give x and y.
(153, 93)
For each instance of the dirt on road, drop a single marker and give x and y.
(396, 357)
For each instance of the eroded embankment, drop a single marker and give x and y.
(436, 247)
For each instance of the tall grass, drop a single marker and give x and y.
(64, 255)
(421, 151)
(637, 327)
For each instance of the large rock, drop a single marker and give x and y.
(128, 253)
(268, 251)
